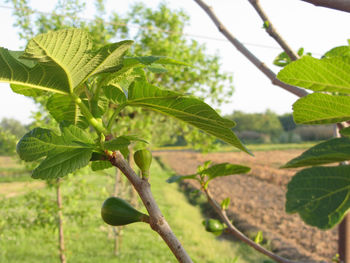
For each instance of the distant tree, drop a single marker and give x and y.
(287, 121)
(305, 132)
(13, 126)
(8, 143)
(314, 133)
(264, 123)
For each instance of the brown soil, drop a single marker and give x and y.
(257, 201)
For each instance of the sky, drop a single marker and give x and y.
(316, 29)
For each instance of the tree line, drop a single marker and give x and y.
(11, 131)
(269, 127)
(266, 127)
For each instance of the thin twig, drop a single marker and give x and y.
(157, 220)
(250, 56)
(235, 232)
(272, 31)
(341, 5)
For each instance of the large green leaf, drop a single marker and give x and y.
(64, 154)
(320, 195)
(58, 164)
(224, 169)
(71, 50)
(76, 135)
(100, 165)
(58, 61)
(47, 78)
(133, 69)
(18, 55)
(98, 104)
(188, 109)
(338, 52)
(319, 108)
(118, 143)
(328, 74)
(334, 150)
(63, 108)
(109, 58)
(27, 90)
(36, 144)
(114, 94)
(123, 78)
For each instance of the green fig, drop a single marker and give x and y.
(214, 226)
(117, 212)
(143, 159)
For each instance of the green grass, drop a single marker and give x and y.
(270, 146)
(14, 175)
(252, 147)
(12, 171)
(90, 240)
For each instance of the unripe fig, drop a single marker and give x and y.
(143, 159)
(214, 226)
(117, 212)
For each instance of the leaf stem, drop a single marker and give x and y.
(114, 116)
(98, 126)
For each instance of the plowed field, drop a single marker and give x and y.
(257, 201)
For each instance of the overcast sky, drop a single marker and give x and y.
(302, 25)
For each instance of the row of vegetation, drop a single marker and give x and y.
(269, 127)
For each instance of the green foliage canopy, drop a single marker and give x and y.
(13, 126)
(321, 194)
(159, 32)
(267, 122)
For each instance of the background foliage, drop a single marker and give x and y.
(269, 127)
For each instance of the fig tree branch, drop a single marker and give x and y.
(157, 220)
(272, 31)
(235, 232)
(250, 56)
(341, 5)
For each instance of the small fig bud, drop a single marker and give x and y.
(214, 226)
(143, 159)
(117, 212)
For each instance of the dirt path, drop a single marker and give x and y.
(257, 201)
